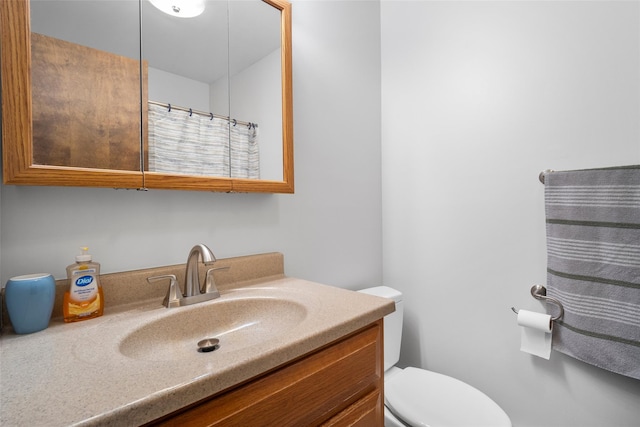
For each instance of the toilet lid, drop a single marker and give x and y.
(425, 398)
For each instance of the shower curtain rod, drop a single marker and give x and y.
(203, 113)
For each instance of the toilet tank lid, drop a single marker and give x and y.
(384, 291)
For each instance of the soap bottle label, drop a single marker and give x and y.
(84, 286)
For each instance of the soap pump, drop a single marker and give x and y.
(84, 299)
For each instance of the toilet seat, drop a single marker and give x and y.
(424, 398)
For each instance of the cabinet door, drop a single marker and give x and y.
(23, 165)
(338, 385)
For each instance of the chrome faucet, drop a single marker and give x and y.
(194, 292)
(192, 278)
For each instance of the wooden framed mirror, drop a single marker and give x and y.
(24, 130)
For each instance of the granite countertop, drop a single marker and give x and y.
(76, 374)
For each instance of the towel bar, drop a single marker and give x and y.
(540, 292)
(543, 173)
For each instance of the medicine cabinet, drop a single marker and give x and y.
(88, 88)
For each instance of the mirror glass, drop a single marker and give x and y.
(215, 77)
(86, 84)
(187, 59)
(255, 84)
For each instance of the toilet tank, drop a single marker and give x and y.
(392, 324)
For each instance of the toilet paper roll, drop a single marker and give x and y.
(535, 336)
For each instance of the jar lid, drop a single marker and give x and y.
(30, 276)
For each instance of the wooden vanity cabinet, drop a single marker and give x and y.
(340, 384)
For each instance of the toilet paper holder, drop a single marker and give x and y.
(540, 292)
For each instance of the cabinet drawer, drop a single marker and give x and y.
(366, 412)
(342, 380)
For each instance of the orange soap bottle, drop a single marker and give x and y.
(84, 299)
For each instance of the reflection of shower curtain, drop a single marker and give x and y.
(199, 145)
(245, 154)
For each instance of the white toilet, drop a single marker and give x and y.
(417, 397)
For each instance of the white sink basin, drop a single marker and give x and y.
(237, 323)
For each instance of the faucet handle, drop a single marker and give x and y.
(174, 296)
(210, 283)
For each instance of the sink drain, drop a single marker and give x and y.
(208, 344)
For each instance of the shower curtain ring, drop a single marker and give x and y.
(234, 122)
(190, 112)
(169, 107)
(211, 114)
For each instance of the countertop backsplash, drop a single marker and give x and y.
(124, 288)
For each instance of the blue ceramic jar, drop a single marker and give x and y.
(29, 301)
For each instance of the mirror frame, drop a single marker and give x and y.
(17, 130)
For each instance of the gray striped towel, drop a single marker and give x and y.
(593, 265)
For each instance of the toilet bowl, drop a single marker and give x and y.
(416, 397)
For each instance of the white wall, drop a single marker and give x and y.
(177, 90)
(329, 230)
(477, 98)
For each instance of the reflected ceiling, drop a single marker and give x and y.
(182, 46)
